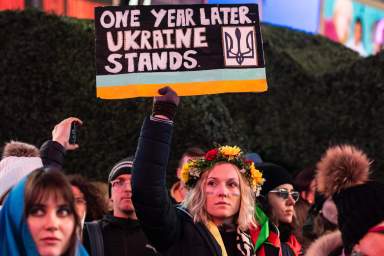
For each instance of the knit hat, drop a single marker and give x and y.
(274, 176)
(359, 208)
(343, 174)
(13, 169)
(124, 166)
(253, 157)
(341, 167)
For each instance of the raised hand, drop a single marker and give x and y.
(62, 131)
(168, 95)
(165, 106)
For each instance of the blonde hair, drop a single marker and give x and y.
(196, 199)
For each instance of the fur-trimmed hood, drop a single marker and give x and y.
(325, 244)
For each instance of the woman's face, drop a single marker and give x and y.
(80, 203)
(51, 224)
(371, 245)
(282, 208)
(222, 191)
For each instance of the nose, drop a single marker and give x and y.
(290, 200)
(127, 186)
(51, 221)
(222, 190)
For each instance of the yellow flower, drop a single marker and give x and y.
(184, 174)
(257, 176)
(230, 152)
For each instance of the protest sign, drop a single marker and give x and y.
(195, 49)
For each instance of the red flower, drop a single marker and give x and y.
(211, 154)
(249, 162)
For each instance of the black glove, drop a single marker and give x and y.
(166, 104)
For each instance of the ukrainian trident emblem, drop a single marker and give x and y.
(239, 46)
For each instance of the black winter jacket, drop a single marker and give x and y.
(52, 154)
(121, 237)
(171, 230)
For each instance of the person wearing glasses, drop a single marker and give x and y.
(275, 212)
(118, 232)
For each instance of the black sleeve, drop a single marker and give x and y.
(52, 154)
(153, 206)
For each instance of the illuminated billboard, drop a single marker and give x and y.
(296, 14)
(357, 25)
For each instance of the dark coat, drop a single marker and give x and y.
(52, 154)
(171, 230)
(121, 237)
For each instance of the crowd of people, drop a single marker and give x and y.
(224, 203)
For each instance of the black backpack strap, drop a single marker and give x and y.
(95, 238)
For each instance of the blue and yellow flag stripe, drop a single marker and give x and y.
(184, 83)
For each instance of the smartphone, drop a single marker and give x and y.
(73, 135)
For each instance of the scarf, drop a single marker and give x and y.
(15, 238)
(243, 240)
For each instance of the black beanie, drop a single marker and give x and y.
(274, 176)
(359, 208)
(124, 166)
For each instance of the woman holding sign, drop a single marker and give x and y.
(219, 209)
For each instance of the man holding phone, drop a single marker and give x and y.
(52, 153)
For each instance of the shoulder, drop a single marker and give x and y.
(325, 244)
(183, 213)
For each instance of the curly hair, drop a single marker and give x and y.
(96, 203)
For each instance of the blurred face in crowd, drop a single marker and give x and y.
(282, 199)
(371, 244)
(309, 194)
(358, 31)
(80, 203)
(51, 224)
(342, 19)
(121, 196)
(222, 190)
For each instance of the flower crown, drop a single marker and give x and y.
(192, 170)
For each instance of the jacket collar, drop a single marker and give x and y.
(213, 246)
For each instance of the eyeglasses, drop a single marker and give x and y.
(284, 193)
(120, 183)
